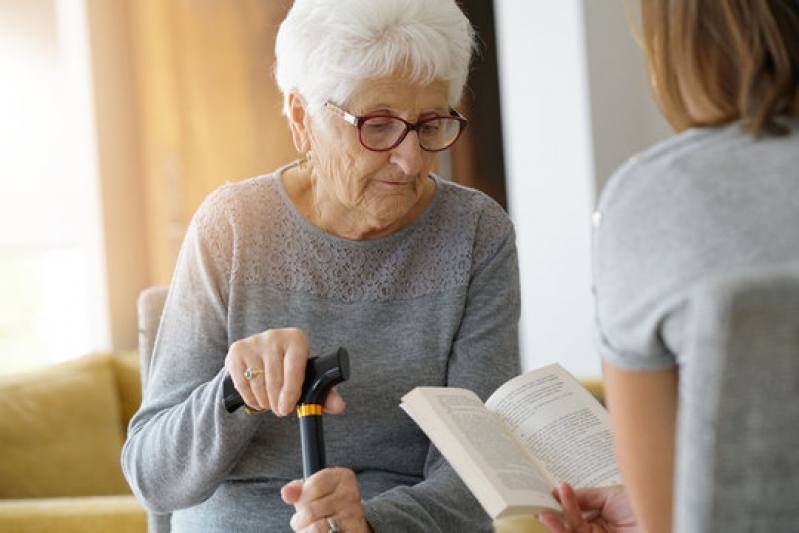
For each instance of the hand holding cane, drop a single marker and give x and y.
(321, 374)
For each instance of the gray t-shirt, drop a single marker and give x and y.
(707, 202)
(436, 303)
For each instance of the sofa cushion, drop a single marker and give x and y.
(85, 514)
(60, 431)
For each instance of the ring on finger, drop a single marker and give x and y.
(250, 373)
(333, 527)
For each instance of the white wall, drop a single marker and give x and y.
(574, 105)
(624, 116)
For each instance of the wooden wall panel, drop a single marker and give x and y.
(208, 106)
(122, 190)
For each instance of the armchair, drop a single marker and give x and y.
(737, 466)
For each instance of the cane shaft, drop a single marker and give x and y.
(312, 440)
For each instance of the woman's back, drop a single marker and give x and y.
(700, 205)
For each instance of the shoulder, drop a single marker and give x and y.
(474, 220)
(644, 172)
(238, 203)
(698, 163)
(475, 211)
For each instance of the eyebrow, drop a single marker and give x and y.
(384, 107)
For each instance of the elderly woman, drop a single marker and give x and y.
(355, 245)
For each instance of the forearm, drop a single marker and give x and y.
(176, 457)
(440, 503)
(642, 408)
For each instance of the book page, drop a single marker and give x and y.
(489, 460)
(562, 425)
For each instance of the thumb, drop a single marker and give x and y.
(592, 498)
(334, 403)
(291, 491)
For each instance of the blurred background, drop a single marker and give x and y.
(118, 117)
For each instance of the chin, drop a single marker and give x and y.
(392, 209)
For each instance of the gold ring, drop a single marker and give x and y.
(252, 372)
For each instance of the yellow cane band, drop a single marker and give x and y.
(309, 409)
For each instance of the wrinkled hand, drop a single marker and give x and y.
(616, 512)
(281, 355)
(331, 492)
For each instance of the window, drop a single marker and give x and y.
(52, 304)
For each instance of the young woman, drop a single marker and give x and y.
(721, 195)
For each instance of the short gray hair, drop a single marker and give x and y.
(326, 48)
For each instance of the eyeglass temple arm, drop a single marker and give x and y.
(352, 119)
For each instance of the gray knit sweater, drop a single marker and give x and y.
(687, 212)
(436, 303)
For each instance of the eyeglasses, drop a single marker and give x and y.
(380, 133)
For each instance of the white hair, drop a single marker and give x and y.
(326, 48)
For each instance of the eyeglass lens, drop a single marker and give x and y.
(436, 133)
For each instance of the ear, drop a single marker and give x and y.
(298, 122)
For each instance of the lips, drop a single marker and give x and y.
(397, 182)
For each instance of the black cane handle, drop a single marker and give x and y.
(321, 374)
(230, 396)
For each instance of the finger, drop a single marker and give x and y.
(273, 355)
(552, 522)
(592, 498)
(320, 484)
(291, 492)
(334, 403)
(257, 384)
(236, 365)
(294, 365)
(310, 511)
(251, 359)
(322, 525)
(311, 516)
(571, 508)
(330, 492)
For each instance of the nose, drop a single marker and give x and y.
(408, 154)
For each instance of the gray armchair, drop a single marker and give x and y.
(738, 424)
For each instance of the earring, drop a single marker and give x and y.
(305, 160)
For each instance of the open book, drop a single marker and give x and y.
(536, 430)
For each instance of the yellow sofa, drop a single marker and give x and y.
(61, 435)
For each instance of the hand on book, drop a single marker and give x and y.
(616, 513)
(535, 430)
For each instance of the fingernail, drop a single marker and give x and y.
(283, 406)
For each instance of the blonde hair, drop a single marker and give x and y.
(733, 60)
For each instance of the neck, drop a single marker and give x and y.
(358, 225)
(308, 195)
(320, 221)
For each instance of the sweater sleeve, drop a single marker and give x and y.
(484, 355)
(181, 444)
